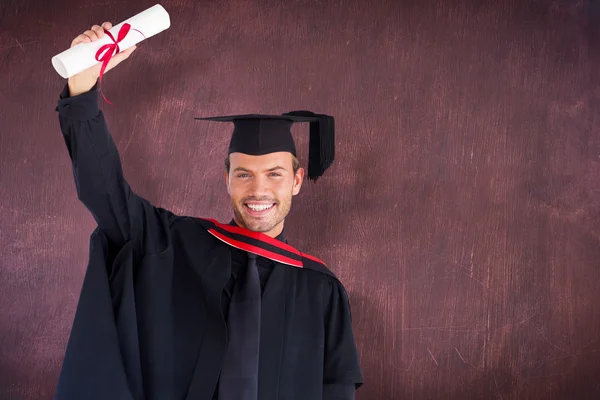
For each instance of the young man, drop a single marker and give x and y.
(177, 307)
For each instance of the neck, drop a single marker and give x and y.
(276, 231)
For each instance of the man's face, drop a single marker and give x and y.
(261, 190)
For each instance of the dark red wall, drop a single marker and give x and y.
(462, 214)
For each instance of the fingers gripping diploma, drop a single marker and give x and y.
(101, 48)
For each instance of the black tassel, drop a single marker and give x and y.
(321, 146)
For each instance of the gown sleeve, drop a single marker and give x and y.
(111, 343)
(341, 372)
(120, 213)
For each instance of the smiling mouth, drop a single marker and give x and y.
(259, 209)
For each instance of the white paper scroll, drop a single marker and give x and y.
(83, 56)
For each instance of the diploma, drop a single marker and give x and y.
(83, 56)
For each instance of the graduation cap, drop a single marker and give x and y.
(259, 134)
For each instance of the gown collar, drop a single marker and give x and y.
(280, 237)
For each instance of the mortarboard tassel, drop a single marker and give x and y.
(321, 147)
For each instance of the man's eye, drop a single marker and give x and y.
(242, 175)
(275, 174)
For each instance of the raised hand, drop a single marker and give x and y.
(85, 80)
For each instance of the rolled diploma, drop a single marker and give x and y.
(83, 56)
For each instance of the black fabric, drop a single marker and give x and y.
(239, 258)
(321, 145)
(239, 261)
(239, 376)
(260, 243)
(150, 323)
(251, 240)
(258, 134)
(336, 391)
(261, 136)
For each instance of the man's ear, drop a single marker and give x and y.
(298, 179)
(226, 176)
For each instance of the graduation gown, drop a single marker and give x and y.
(149, 322)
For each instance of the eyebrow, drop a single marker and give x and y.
(242, 169)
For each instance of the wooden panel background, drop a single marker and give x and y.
(462, 214)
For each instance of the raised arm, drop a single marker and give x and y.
(120, 213)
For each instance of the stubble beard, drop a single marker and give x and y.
(262, 225)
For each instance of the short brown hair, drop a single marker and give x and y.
(295, 164)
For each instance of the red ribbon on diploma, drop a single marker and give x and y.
(110, 50)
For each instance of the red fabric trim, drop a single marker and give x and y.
(256, 250)
(256, 235)
(264, 238)
(312, 258)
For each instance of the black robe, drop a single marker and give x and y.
(150, 324)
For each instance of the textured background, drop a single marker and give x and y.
(462, 214)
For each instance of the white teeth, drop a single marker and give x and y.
(262, 207)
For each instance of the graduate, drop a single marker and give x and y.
(181, 307)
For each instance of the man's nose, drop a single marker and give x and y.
(258, 186)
